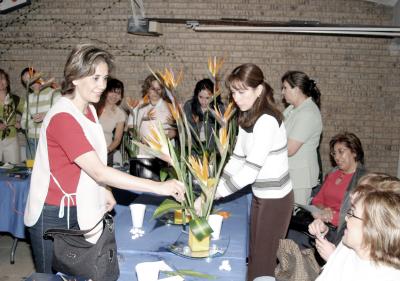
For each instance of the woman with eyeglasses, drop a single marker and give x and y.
(318, 228)
(304, 127)
(347, 155)
(370, 248)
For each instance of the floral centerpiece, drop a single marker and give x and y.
(205, 169)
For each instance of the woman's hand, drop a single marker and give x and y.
(318, 228)
(172, 188)
(197, 205)
(324, 247)
(110, 201)
(325, 214)
(38, 117)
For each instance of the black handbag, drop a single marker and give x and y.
(75, 256)
(302, 218)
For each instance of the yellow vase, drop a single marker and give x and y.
(200, 246)
(29, 163)
(178, 217)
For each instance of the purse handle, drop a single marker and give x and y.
(76, 232)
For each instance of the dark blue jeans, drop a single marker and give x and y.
(43, 249)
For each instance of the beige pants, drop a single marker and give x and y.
(9, 150)
(302, 196)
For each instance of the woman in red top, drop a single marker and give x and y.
(347, 154)
(70, 183)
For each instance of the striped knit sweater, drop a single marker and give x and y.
(37, 104)
(260, 158)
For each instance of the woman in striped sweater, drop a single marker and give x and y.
(260, 159)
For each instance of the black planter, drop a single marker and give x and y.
(148, 168)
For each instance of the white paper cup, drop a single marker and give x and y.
(137, 212)
(215, 222)
(147, 271)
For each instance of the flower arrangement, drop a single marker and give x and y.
(205, 169)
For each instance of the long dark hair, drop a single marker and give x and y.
(25, 70)
(301, 80)
(204, 84)
(250, 75)
(112, 85)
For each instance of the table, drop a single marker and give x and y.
(153, 245)
(13, 195)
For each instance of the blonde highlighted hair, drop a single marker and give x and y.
(381, 218)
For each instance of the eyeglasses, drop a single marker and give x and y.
(340, 152)
(350, 214)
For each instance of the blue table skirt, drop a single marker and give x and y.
(152, 246)
(13, 195)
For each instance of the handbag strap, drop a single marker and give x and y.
(52, 231)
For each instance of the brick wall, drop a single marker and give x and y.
(359, 77)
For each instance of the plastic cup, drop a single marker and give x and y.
(137, 213)
(147, 271)
(215, 222)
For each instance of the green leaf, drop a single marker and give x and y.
(186, 272)
(200, 228)
(166, 206)
(163, 174)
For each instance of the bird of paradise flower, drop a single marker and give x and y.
(183, 162)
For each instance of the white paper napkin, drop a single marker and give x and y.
(149, 271)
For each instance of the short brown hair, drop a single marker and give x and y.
(82, 62)
(351, 141)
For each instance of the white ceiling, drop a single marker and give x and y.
(391, 3)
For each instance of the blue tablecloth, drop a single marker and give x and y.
(153, 245)
(13, 195)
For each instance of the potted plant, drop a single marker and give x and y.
(204, 169)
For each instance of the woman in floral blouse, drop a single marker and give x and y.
(10, 107)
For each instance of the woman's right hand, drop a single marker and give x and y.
(318, 228)
(324, 248)
(172, 188)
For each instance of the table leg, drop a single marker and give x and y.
(13, 249)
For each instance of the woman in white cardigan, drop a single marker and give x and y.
(259, 159)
